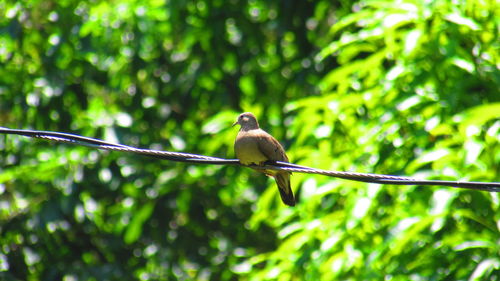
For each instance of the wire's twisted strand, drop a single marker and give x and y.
(283, 166)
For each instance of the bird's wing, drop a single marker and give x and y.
(270, 147)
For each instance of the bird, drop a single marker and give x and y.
(254, 146)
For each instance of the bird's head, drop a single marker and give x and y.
(247, 121)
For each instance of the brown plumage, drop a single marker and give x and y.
(255, 146)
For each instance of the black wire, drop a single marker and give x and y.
(269, 165)
(66, 136)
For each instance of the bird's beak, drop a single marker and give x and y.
(234, 124)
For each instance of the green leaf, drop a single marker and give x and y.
(134, 229)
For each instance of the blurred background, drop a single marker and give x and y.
(407, 88)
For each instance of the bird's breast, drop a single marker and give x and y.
(247, 150)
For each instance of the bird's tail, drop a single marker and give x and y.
(283, 181)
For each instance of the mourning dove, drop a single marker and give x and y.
(255, 146)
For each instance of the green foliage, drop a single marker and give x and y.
(405, 88)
